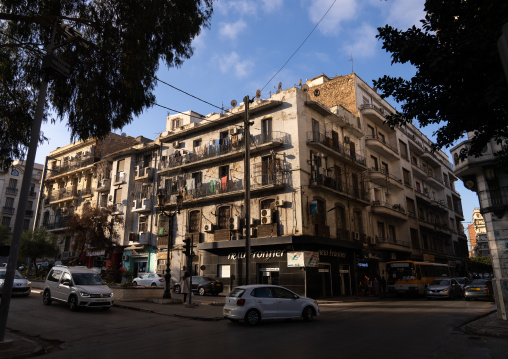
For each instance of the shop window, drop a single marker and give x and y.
(224, 271)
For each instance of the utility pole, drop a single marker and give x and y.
(246, 130)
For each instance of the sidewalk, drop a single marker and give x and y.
(17, 346)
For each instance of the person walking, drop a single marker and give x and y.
(184, 286)
(375, 286)
(383, 286)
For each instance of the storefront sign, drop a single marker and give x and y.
(303, 259)
(343, 271)
(332, 253)
(268, 269)
(258, 254)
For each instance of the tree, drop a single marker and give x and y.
(37, 244)
(113, 48)
(459, 81)
(94, 229)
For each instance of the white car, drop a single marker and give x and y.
(253, 303)
(78, 287)
(150, 279)
(20, 286)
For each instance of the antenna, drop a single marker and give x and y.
(233, 103)
(258, 93)
(300, 83)
(352, 63)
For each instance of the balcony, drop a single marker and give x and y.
(69, 166)
(334, 148)
(431, 158)
(86, 193)
(54, 223)
(392, 244)
(418, 171)
(11, 190)
(142, 205)
(64, 194)
(32, 194)
(221, 151)
(381, 146)
(374, 113)
(143, 173)
(104, 185)
(119, 178)
(29, 213)
(395, 211)
(8, 209)
(381, 178)
(329, 183)
(215, 190)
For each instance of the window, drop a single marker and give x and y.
(224, 271)
(262, 293)
(406, 176)
(391, 233)
(9, 203)
(194, 221)
(403, 149)
(315, 130)
(381, 137)
(118, 196)
(357, 221)
(371, 131)
(356, 189)
(411, 210)
(384, 168)
(29, 205)
(176, 123)
(196, 143)
(374, 163)
(54, 276)
(6, 221)
(13, 184)
(266, 130)
(224, 214)
(197, 177)
(120, 166)
(414, 238)
(340, 220)
(143, 224)
(381, 230)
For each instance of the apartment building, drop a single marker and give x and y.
(481, 243)
(79, 175)
(335, 192)
(10, 186)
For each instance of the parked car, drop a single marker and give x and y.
(257, 302)
(479, 289)
(463, 281)
(203, 285)
(444, 288)
(78, 287)
(21, 286)
(3, 265)
(150, 279)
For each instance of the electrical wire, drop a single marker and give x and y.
(294, 53)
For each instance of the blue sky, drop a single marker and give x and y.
(250, 40)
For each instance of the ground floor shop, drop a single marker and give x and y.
(307, 265)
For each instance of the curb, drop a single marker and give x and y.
(206, 319)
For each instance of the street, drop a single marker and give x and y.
(395, 328)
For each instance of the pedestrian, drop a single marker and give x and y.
(184, 286)
(369, 285)
(383, 286)
(375, 287)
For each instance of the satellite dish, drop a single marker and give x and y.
(305, 87)
(317, 93)
(233, 103)
(280, 86)
(258, 93)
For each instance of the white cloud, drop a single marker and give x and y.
(239, 7)
(232, 63)
(363, 42)
(231, 30)
(272, 5)
(342, 10)
(403, 14)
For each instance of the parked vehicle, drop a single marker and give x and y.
(444, 288)
(254, 303)
(463, 281)
(78, 287)
(149, 279)
(479, 289)
(21, 286)
(203, 285)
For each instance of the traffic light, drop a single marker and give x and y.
(187, 246)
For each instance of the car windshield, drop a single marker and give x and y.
(461, 280)
(479, 282)
(440, 282)
(86, 279)
(236, 293)
(17, 275)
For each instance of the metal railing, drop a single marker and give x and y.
(330, 182)
(55, 222)
(71, 166)
(383, 141)
(396, 207)
(317, 137)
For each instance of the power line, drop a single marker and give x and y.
(294, 53)
(188, 94)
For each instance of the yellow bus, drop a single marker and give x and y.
(410, 277)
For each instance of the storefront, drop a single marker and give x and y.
(304, 264)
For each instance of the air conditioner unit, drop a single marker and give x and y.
(208, 227)
(279, 203)
(176, 144)
(234, 223)
(252, 232)
(266, 216)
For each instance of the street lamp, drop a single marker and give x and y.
(161, 201)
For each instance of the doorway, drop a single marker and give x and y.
(325, 280)
(268, 275)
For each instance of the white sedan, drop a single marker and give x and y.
(149, 279)
(253, 303)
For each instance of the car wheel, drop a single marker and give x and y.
(134, 283)
(252, 317)
(154, 285)
(308, 314)
(201, 291)
(73, 303)
(46, 297)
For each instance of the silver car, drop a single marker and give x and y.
(253, 303)
(21, 286)
(444, 288)
(150, 279)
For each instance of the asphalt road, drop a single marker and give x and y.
(373, 329)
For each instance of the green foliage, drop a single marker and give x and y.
(113, 60)
(487, 261)
(37, 244)
(459, 82)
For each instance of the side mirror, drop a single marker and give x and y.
(67, 282)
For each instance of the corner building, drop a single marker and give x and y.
(335, 192)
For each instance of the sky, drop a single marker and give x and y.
(248, 45)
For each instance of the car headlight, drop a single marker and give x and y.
(84, 294)
(111, 295)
